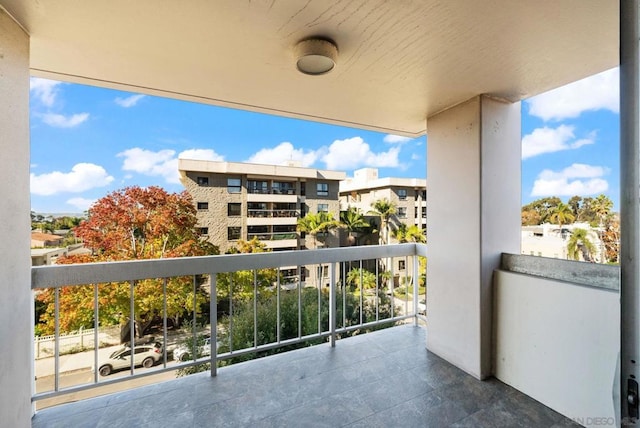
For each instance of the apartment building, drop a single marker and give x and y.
(547, 240)
(244, 201)
(408, 194)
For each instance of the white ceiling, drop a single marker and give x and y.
(400, 61)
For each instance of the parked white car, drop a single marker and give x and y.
(144, 355)
(183, 352)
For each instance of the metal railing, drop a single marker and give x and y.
(271, 191)
(273, 236)
(361, 292)
(272, 213)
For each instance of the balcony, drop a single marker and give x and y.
(258, 284)
(382, 379)
(272, 217)
(254, 195)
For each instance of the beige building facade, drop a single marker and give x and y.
(547, 240)
(241, 201)
(408, 194)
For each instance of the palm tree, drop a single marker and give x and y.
(314, 224)
(384, 209)
(411, 233)
(579, 243)
(562, 214)
(601, 206)
(353, 221)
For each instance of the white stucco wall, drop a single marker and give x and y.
(16, 306)
(473, 215)
(558, 343)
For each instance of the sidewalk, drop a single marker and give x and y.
(70, 363)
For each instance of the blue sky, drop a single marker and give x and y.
(88, 141)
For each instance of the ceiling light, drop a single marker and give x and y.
(316, 56)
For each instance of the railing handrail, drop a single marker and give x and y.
(56, 276)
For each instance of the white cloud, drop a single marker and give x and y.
(82, 177)
(354, 153)
(600, 91)
(284, 152)
(129, 101)
(390, 138)
(577, 179)
(163, 163)
(549, 140)
(415, 156)
(82, 204)
(44, 90)
(62, 121)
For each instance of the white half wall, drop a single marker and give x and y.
(16, 305)
(473, 215)
(558, 343)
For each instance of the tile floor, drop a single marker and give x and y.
(381, 379)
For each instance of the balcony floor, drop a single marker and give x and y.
(382, 379)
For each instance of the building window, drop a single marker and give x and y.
(401, 265)
(402, 212)
(203, 206)
(203, 231)
(233, 233)
(303, 188)
(402, 194)
(323, 208)
(283, 188)
(234, 209)
(202, 181)
(322, 189)
(424, 212)
(234, 185)
(259, 187)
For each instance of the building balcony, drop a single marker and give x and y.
(272, 197)
(383, 378)
(272, 217)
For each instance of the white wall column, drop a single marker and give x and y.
(16, 306)
(473, 175)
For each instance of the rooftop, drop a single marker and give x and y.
(257, 170)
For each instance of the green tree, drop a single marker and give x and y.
(580, 244)
(354, 223)
(411, 233)
(384, 209)
(354, 276)
(543, 207)
(241, 336)
(562, 214)
(239, 285)
(601, 207)
(317, 225)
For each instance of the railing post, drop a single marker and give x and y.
(416, 283)
(213, 314)
(332, 304)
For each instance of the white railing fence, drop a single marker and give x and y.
(338, 292)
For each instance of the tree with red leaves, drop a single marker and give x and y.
(130, 224)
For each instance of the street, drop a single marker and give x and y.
(85, 376)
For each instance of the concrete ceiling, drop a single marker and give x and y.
(400, 61)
